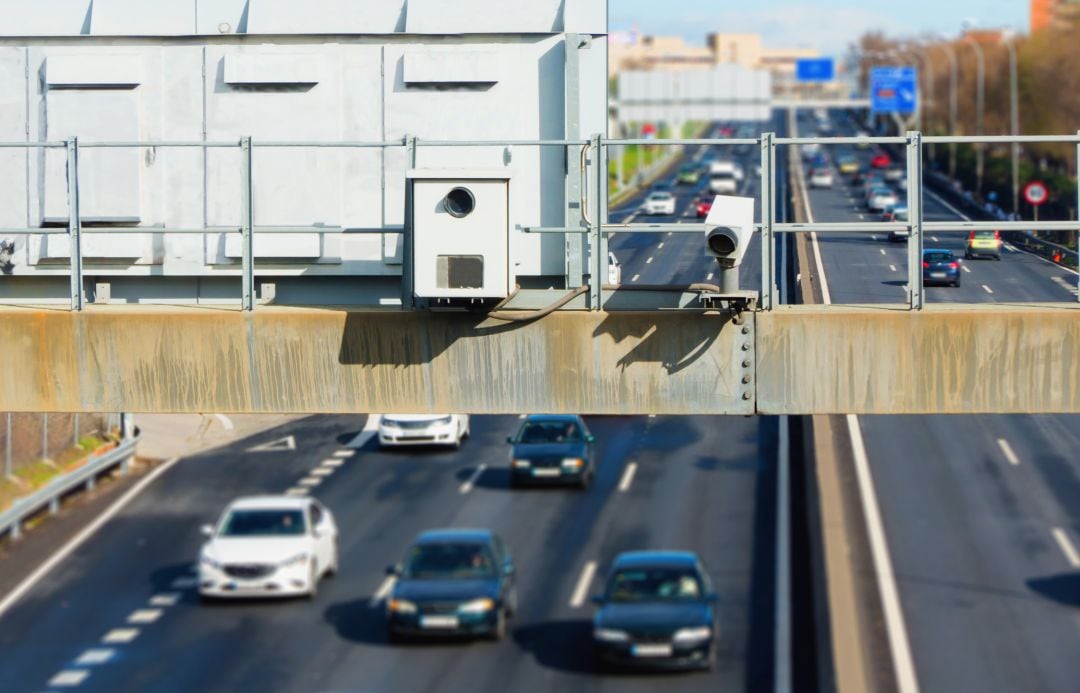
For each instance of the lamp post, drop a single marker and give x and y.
(1014, 125)
(980, 104)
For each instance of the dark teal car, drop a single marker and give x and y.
(452, 582)
(552, 448)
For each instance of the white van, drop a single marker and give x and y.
(722, 177)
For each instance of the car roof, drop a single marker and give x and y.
(927, 251)
(561, 418)
(268, 501)
(458, 535)
(631, 559)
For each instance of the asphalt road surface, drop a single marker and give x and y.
(981, 513)
(121, 613)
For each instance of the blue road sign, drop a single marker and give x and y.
(893, 89)
(815, 70)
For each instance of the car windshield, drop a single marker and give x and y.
(985, 235)
(264, 522)
(660, 197)
(449, 561)
(654, 584)
(939, 256)
(549, 432)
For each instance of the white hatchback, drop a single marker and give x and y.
(660, 203)
(268, 546)
(423, 429)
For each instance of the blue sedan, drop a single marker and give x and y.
(552, 448)
(940, 267)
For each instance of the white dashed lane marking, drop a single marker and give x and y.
(1007, 450)
(344, 454)
(583, 584)
(648, 261)
(165, 599)
(184, 583)
(882, 250)
(965, 268)
(627, 477)
(1066, 547)
(383, 592)
(120, 636)
(295, 491)
(322, 471)
(69, 678)
(144, 616)
(892, 268)
(94, 656)
(987, 289)
(332, 463)
(660, 245)
(635, 277)
(468, 485)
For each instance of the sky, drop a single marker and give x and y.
(828, 25)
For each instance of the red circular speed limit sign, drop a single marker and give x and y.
(1036, 193)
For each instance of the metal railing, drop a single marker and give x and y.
(590, 210)
(49, 495)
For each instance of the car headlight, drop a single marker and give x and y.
(477, 606)
(610, 635)
(401, 606)
(693, 634)
(574, 462)
(298, 559)
(390, 423)
(522, 463)
(208, 561)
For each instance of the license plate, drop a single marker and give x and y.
(544, 471)
(663, 650)
(439, 621)
(937, 275)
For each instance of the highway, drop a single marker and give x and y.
(121, 613)
(981, 513)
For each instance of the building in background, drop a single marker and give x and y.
(1054, 14)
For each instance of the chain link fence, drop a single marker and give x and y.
(54, 439)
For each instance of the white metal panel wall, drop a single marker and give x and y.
(325, 16)
(142, 17)
(483, 16)
(585, 16)
(13, 162)
(220, 16)
(44, 17)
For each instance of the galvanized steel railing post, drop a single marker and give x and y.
(408, 278)
(915, 217)
(599, 272)
(74, 224)
(768, 237)
(247, 213)
(1078, 219)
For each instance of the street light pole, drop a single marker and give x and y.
(953, 69)
(1014, 125)
(980, 105)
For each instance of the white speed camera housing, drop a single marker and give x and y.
(728, 229)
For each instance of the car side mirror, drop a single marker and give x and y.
(508, 569)
(207, 530)
(590, 438)
(510, 439)
(394, 570)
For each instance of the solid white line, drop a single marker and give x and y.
(468, 485)
(1066, 547)
(879, 549)
(225, 421)
(892, 268)
(1007, 450)
(635, 277)
(987, 289)
(165, 599)
(120, 636)
(144, 616)
(782, 642)
(371, 427)
(583, 584)
(965, 268)
(648, 261)
(383, 592)
(94, 656)
(42, 570)
(627, 477)
(69, 678)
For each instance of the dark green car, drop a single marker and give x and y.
(688, 175)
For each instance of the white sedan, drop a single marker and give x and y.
(268, 546)
(423, 429)
(821, 178)
(659, 203)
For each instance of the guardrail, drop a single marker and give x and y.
(12, 519)
(589, 209)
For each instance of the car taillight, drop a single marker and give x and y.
(954, 265)
(971, 236)
(997, 235)
(926, 265)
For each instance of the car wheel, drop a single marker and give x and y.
(332, 566)
(498, 632)
(313, 585)
(586, 480)
(998, 258)
(710, 660)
